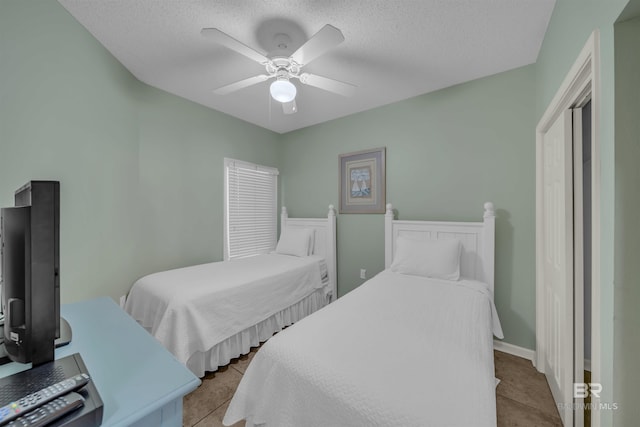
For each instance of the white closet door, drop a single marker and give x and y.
(558, 262)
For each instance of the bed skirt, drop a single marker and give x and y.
(241, 343)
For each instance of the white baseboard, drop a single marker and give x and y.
(525, 353)
(505, 347)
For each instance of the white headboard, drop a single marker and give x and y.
(478, 241)
(324, 239)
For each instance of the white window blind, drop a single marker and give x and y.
(251, 193)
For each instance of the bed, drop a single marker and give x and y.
(401, 349)
(207, 314)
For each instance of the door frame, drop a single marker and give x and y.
(582, 80)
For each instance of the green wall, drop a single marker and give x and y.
(627, 232)
(447, 153)
(140, 170)
(181, 176)
(571, 24)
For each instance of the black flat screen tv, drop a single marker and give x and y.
(30, 239)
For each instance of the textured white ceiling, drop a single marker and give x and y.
(393, 49)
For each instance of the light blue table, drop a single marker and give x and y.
(139, 381)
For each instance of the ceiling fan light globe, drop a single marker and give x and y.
(283, 91)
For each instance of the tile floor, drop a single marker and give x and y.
(523, 396)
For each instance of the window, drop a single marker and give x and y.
(250, 211)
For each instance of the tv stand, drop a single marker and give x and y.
(65, 338)
(4, 359)
(65, 333)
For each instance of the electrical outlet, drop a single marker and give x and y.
(363, 273)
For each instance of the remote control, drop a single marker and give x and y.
(30, 402)
(49, 412)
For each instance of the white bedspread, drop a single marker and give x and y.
(397, 351)
(193, 308)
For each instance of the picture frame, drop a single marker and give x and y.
(363, 181)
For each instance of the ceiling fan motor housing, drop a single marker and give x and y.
(280, 67)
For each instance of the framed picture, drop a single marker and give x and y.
(363, 182)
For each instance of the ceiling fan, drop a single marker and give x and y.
(283, 69)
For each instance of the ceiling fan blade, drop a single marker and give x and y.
(335, 86)
(229, 42)
(241, 84)
(328, 37)
(289, 107)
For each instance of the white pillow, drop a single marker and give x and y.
(430, 258)
(294, 241)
